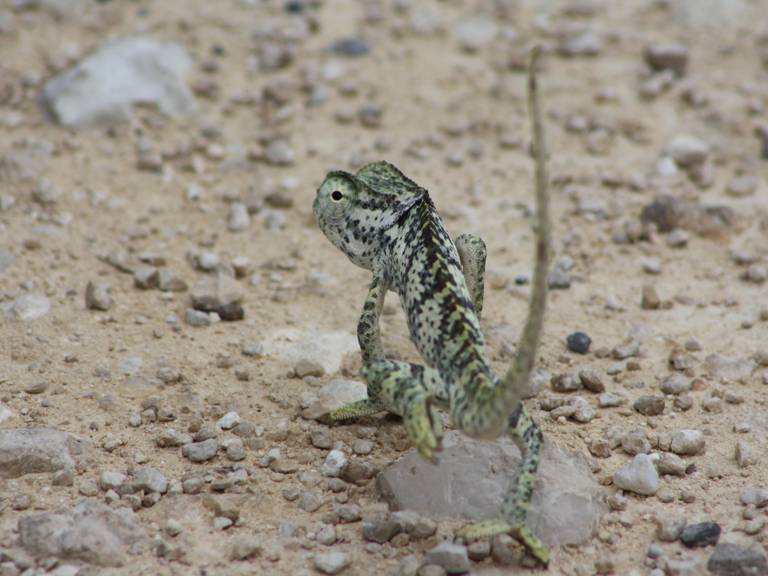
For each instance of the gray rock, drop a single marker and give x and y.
(754, 496)
(150, 480)
(103, 87)
(672, 57)
(198, 319)
(639, 476)
(146, 277)
(334, 464)
(7, 260)
(742, 186)
(167, 281)
(110, 480)
(325, 348)
(671, 464)
(687, 151)
(581, 44)
(733, 560)
(687, 442)
(98, 296)
(89, 532)
(280, 153)
(729, 368)
(331, 562)
(28, 307)
(471, 478)
(333, 395)
(451, 557)
(209, 294)
(381, 529)
(475, 32)
(238, 219)
(669, 527)
(200, 451)
(33, 450)
(228, 421)
(675, 384)
(649, 405)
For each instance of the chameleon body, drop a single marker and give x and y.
(386, 223)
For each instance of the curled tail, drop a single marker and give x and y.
(516, 379)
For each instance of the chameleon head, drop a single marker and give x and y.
(353, 216)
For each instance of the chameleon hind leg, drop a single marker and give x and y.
(514, 510)
(411, 391)
(473, 253)
(369, 338)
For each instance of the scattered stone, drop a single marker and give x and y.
(565, 383)
(628, 349)
(578, 342)
(89, 532)
(650, 299)
(167, 281)
(591, 380)
(734, 560)
(34, 450)
(28, 307)
(582, 44)
(700, 535)
(669, 527)
(238, 219)
(98, 296)
(687, 442)
(476, 32)
(721, 366)
(742, 186)
(745, 456)
(279, 153)
(199, 319)
(228, 421)
(451, 557)
(110, 480)
(214, 293)
(381, 530)
(201, 451)
(676, 384)
(103, 87)
(754, 496)
(150, 480)
(672, 57)
(671, 464)
(331, 562)
(471, 478)
(146, 277)
(649, 405)
(334, 464)
(37, 387)
(687, 151)
(352, 47)
(305, 368)
(638, 476)
(635, 442)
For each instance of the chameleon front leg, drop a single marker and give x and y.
(369, 338)
(411, 391)
(472, 253)
(514, 510)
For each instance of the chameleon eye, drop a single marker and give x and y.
(336, 195)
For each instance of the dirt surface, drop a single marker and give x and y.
(455, 121)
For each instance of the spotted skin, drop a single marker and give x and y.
(386, 223)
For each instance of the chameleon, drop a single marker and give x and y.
(386, 223)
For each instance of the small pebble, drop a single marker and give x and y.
(578, 342)
(701, 534)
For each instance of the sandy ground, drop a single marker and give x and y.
(455, 122)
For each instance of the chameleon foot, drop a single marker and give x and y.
(424, 429)
(520, 532)
(352, 411)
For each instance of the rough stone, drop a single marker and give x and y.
(734, 560)
(103, 87)
(89, 532)
(331, 562)
(451, 557)
(333, 395)
(28, 307)
(672, 57)
(700, 535)
(150, 480)
(33, 450)
(687, 442)
(325, 348)
(200, 451)
(639, 476)
(471, 477)
(98, 296)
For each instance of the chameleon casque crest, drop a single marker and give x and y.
(386, 223)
